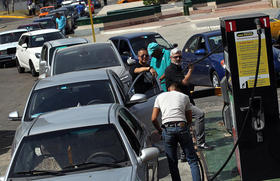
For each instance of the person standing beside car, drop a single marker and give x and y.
(60, 23)
(160, 61)
(80, 9)
(174, 74)
(175, 108)
(141, 86)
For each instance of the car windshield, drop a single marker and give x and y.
(52, 51)
(95, 147)
(39, 40)
(215, 42)
(10, 37)
(68, 95)
(47, 24)
(84, 58)
(143, 41)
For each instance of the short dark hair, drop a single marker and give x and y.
(141, 49)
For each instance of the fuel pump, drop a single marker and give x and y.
(249, 90)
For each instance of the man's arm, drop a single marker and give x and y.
(188, 75)
(145, 69)
(154, 119)
(188, 115)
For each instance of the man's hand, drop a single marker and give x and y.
(191, 67)
(153, 72)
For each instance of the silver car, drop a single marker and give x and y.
(97, 142)
(83, 88)
(90, 56)
(49, 48)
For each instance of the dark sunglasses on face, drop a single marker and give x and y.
(177, 57)
(144, 55)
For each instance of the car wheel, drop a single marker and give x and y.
(19, 68)
(32, 69)
(215, 79)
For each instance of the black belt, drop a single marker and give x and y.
(175, 124)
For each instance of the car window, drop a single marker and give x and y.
(124, 48)
(215, 42)
(68, 95)
(10, 37)
(143, 42)
(61, 150)
(201, 43)
(133, 123)
(191, 45)
(84, 58)
(52, 50)
(22, 40)
(134, 142)
(39, 40)
(115, 43)
(44, 53)
(47, 24)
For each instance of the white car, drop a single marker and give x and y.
(8, 44)
(30, 46)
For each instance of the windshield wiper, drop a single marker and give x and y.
(40, 172)
(94, 165)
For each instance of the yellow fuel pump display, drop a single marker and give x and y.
(247, 54)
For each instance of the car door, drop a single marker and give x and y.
(139, 139)
(24, 56)
(19, 49)
(124, 50)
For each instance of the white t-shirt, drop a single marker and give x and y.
(173, 106)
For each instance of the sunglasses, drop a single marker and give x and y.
(177, 57)
(144, 55)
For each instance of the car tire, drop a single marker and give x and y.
(32, 69)
(215, 79)
(19, 68)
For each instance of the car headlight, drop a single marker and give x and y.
(38, 55)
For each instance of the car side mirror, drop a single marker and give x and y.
(137, 98)
(130, 61)
(148, 154)
(200, 52)
(24, 45)
(14, 116)
(43, 63)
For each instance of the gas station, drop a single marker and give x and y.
(251, 112)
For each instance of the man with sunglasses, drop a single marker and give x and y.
(174, 74)
(142, 85)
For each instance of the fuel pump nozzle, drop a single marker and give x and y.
(259, 25)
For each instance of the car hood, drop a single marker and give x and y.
(123, 174)
(8, 45)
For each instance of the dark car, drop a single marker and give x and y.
(46, 22)
(30, 27)
(129, 44)
(70, 22)
(210, 71)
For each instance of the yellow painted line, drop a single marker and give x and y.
(20, 17)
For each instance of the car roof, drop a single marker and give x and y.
(88, 45)
(133, 35)
(43, 19)
(40, 32)
(211, 33)
(13, 31)
(72, 77)
(67, 41)
(75, 117)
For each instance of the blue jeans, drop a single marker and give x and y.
(171, 137)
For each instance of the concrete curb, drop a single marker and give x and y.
(16, 17)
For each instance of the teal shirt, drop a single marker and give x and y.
(61, 22)
(160, 66)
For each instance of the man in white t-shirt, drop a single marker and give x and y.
(176, 113)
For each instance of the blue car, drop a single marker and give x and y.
(210, 71)
(129, 44)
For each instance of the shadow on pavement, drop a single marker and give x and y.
(6, 140)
